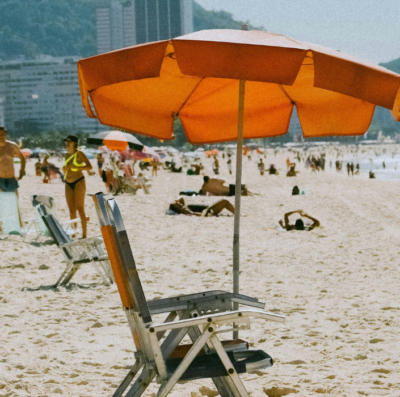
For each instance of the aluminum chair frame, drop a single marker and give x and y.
(78, 252)
(36, 225)
(153, 354)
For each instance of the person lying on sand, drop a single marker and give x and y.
(214, 187)
(180, 207)
(299, 224)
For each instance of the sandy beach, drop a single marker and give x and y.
(337, 286)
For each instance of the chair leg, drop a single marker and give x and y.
(239, 389)
(70, 274)
(105, 265)
(141, 384)
(128, 379)
(182, 367)
(66, 271)
(223, 383)
(101, 272)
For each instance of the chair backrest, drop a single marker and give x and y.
(42, 199)
(9, 213)
(121, 256)
(125, 273)
(41, 209)
(57, 232)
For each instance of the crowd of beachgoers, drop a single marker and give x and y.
(336, 284)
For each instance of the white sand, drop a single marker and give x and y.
(338, 286)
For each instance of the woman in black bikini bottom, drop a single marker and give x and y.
(73, 184)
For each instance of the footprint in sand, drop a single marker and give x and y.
(279, 391)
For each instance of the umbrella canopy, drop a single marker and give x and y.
(228, 85)
(26, 152)
(195, 77)
(147, 154)
(115, 140)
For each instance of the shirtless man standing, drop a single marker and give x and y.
(9, 150)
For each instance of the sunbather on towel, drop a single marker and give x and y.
(180, 207)
(214, 187)
(299, 224)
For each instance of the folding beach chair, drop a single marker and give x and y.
(78, 252)
(9, 214)
(37, 227)
(202, 317)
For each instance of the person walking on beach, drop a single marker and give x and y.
(261, 167)
(229, 163)
(75, 186)
(38, 168)
(9, 150)
(45, 170)
(216, 166)
(100, 163)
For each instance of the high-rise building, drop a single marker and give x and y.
(43, 94)
(121, 25)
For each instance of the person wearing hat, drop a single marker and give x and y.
(75, 186)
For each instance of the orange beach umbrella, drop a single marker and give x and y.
(115, 140)
(227, 85)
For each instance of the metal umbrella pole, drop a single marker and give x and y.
(238, 193)
(238, 196)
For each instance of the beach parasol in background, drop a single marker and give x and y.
(26, 152)
(147, 153)
(230, 85)
(211, 152)
(115, 140)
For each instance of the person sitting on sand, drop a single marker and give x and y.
(214, 187)
(174, 168)
(371, 175)
(272, 170)
(179, 207)
(299, 224)
(197, 168)
(292, 171)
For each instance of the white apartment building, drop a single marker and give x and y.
(139, 21)
(42, 95)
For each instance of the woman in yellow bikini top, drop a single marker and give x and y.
(75, 185)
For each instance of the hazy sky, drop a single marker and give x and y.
(368, 29)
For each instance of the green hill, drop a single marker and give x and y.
(68, 27)
(65, 27)
(393, 65)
